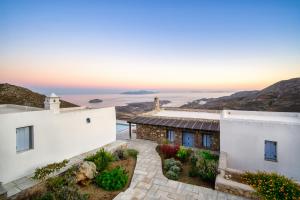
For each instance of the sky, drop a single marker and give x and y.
(139, 44)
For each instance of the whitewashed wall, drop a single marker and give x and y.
(56, 137)
(243, 140)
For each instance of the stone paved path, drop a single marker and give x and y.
(148, 181)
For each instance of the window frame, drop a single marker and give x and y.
(276, 151)
(31, 139)
(211, 140)
(170, 131)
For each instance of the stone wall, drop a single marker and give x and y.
(159, 134)
(148, 132)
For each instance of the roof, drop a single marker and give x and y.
(280, 117)
(188, 114)
(10, 108)
(195, 124)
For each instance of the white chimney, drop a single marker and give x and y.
(156, 104)
(52, 103)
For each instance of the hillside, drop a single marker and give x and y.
(283, 96)
(11, 94)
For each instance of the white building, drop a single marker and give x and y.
(266, 141)
(32, 137)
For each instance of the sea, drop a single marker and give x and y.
(177, 98)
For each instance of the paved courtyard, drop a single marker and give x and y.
(148, 181)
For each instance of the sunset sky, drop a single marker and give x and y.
(139, 44)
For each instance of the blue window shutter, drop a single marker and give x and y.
(270, 150)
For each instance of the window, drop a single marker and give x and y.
(270, 150)
(88, 120)
(207, 141)
(171, 135)
(24, 138)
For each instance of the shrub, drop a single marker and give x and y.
(45, 196)
(42, 173)
(172, 175)
(172, 168)
(207, 155)
(101, 159)
(168, 163)
(112, 180)
(69, 193)
(194, 160)
(55, 183)
(169, 150)
(175, 169)
(63, 188)
(183, 154)
(132, 153)
(272, 185)
(120, 154)
(207, 169)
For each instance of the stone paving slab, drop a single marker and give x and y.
(21, 184)
(148, 181)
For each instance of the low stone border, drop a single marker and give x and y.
(19, 187)
(230, 186)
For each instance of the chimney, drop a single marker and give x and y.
(156, 104)
(52, 103)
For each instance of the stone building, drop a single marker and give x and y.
(183, 127)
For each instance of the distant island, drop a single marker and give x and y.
(140, 92)
(95, 101)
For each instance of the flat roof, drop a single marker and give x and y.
(188, 114)
(11, 108)
(283, 117)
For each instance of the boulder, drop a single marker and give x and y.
(87, 170)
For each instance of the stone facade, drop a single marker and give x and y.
(159, 134)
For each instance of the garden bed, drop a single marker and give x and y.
(101, 176)
(96, 193)
(186, 167)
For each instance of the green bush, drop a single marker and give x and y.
(272, 185)
(42, 173)
(175, 169)
(183, 154)
(168, 163)
(69, 193)
(132, 153)
(172, 168)
(207, 155)
(172, 175)
(63, 188)
(46, 196)
(112, 180)
(55, 183)
(101, 159)
(207, 168)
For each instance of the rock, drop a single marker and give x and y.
(95, 101)
(87, 170)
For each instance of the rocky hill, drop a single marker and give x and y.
(283, 96)
(11, 94)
